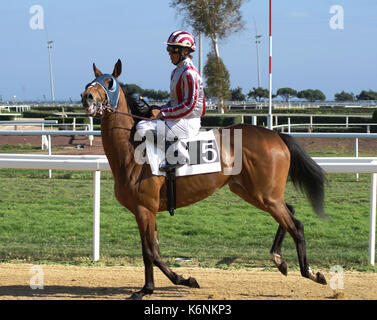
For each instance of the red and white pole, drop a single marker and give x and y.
(269, 117)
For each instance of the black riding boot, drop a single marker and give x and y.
(168, 167)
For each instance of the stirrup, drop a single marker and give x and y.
(167, 167)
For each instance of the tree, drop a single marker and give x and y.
(134, 89)
(131, 88)
(367, 95)
(344, 96)
(237, 95)
(155, 95)
(286, 93)
(217, 78)
(311, 95)
(215, 19)
(258, 94)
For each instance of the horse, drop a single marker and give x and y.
(269, 159)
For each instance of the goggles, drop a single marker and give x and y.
(172, 49)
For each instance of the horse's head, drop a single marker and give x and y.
(103, 91)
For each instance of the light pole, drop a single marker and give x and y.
(49, 47)
(257, 42)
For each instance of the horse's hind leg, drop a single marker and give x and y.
(275, 252)
(296, 230)
(281, 213)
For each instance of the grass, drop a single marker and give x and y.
(50, 221)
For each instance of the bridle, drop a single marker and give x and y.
(109, 105)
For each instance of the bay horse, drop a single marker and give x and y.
(269, 158)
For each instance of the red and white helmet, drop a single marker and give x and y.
(183, 39)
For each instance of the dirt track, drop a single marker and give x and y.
(74, 282)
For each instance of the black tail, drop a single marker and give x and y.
(306, 174)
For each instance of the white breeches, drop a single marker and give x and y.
(181, 128)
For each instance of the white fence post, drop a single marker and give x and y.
(254, 120)
(96, 214)
(49, 153)
(44, 140)
(372, 219)
(91, 138)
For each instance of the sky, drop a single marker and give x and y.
(311, 47)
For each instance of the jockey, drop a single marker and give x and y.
(181, 115)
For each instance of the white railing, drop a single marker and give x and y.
(99, 163)
(86, 163)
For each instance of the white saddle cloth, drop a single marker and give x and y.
(203, 153)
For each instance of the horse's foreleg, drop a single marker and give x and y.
(174, 278)
(275, 252)
(151, 256)
(146, 223)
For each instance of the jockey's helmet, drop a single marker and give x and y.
(181, 39)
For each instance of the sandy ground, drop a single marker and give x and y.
(114, 283)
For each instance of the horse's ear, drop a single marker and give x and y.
(97, 73)
(117, 69)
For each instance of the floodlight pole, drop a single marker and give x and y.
(257, 42)
(269, 117)
(49, 47)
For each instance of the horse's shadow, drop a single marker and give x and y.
(80, 292)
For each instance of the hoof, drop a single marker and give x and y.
(279, 263)
(192, 283)
(320, 278)
(136, 296)
(140, 294)
(283, 268)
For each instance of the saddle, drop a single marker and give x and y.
(204, 157)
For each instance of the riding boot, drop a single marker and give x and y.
(168, 167)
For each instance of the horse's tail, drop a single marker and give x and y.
(306, 174)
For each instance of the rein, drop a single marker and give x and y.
(108, 108)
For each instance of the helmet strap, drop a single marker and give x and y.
(181, 56)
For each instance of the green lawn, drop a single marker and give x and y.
(50, 221)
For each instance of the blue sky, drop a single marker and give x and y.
(307, 53)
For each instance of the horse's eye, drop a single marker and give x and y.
(109, 83)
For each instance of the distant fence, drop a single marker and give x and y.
(244, 105)
(100, 163)
(212, 104)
